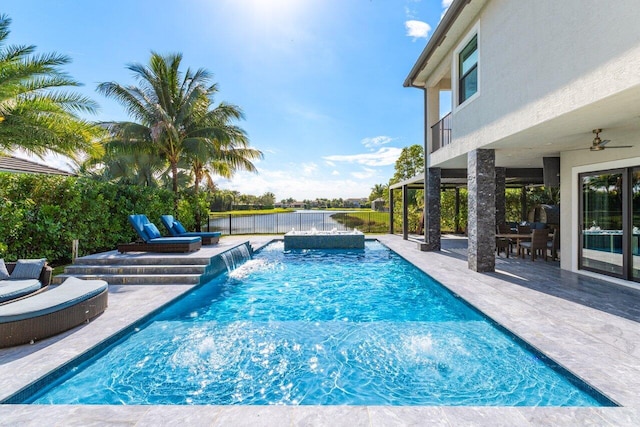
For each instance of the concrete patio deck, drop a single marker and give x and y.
(589, 326)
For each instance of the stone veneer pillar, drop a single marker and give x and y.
(481, 177)
(432, 211)
(501, 197)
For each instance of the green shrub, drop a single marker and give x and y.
(40, 215)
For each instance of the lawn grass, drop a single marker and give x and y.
(367, 221)
(255, 212)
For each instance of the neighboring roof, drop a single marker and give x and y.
(18, 165)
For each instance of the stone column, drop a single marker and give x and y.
(481, 177)
(431, 211)
(501, 197)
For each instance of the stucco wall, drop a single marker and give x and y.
(544, 58)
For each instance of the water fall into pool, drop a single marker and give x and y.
(320, 327)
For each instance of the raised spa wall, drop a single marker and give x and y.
(324, 241)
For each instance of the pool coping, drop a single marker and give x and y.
(598, 347)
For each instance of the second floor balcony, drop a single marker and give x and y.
(441, 133)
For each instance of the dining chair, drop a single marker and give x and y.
(522, 229)
(537, 244)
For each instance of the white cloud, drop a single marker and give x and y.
(285, 184)
(364, 174)
(445, 7)
(308, 168)
(335, 173)
(417, 29)
(376, 141)
(385, 156)
(328, 163)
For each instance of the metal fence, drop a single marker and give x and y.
(280, 223)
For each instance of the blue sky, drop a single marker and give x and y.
(319, 81)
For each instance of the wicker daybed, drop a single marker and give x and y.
(48, 313)
(14, 289)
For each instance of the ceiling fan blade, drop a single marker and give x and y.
(604, 142)
(621, 146)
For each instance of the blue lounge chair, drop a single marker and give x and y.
(152, 241)
(177, 230)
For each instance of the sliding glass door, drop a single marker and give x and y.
(635, 223)
(602, 223)
(610, 223)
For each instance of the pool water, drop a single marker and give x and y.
(312, 327)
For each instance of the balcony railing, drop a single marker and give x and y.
(441, 133)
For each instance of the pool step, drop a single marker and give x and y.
(135, 279)
(135, 274)
(132, 260)
(150, 268)
(161, 269)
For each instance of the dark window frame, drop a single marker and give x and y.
(466, 52)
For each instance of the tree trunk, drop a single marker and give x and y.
(195, 192)
(174, 173)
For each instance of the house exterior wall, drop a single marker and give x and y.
(539, 60)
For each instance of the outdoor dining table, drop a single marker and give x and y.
(525, 237)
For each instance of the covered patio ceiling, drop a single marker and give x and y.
(455, 178)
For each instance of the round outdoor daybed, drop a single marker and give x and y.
(48, 313)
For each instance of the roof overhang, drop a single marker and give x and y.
(458, 17)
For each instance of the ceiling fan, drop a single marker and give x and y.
(599, 144)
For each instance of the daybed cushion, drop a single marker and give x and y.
(11, 289)
(4, 273)
(70, 292)
(28, 269)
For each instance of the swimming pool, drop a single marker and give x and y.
(320, 327)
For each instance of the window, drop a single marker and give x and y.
(468, 70)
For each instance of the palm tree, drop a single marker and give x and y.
(173, 115)
(215, 146)
(34, 114)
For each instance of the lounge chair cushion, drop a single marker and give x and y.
(173, 240)
(4, 273)
(70, 292)
(28, 269)
(151, 230)
(202, 234)
(178, 227)
(11, 289)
